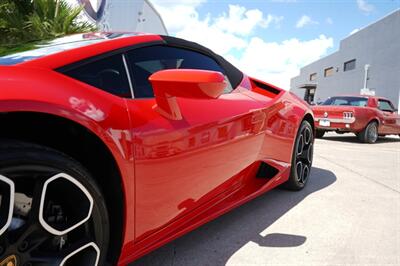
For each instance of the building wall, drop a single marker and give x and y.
(377, 45)
(122, 15)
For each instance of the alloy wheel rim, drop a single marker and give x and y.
(373, 132)
(304, 155)
(52, 219)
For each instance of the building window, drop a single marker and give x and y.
(328, 72)
(313, 76)
(349, 65)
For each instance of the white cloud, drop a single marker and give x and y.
(304, 21)
(364, 6)
(329, 21)
(222, 33)
(208, 34)
(176, 13)
(241, 21)
(274, 19)
(354, 31)
(278, 62)
(231, 34)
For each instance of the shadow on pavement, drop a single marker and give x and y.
(353, 139)
(215, 242)
(278, 240)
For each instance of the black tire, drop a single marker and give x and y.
(319, 133)
(303, 151)
(369, 134)
(30, 167)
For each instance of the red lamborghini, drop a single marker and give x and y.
(114, 144)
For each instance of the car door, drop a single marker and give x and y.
(182, 164)
(391, 118)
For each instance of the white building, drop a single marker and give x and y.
(367, 62)
(123, 15)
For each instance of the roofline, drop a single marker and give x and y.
(340, 43)
(63, 58)
(356, 94)
(372, 23)
(360, 95)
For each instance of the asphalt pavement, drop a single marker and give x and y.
(349, 214)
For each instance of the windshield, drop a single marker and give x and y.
(347, 101)
(59, 45)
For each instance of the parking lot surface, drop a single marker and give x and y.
(349, 214)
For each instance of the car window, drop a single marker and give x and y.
(145, 61)
(347, 101)
(385, 106)
(108, 74)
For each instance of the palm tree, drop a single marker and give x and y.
(13, 16)
(23, 21)
(54, 18)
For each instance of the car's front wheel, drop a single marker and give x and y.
(302, 157)
(51, 209)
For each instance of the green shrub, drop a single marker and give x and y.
(24, 22)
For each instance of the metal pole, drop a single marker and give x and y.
(366, 68)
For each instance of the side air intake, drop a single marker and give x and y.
(266, 87)
(266, 171)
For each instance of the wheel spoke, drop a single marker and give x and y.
(300, 145)
(55, 206)
(307, 136)
(310, 153)
(305, 173)
(306, 154)
(32, 238)
(86, 255)
(7, 194)
(79, 254)
(299, 170)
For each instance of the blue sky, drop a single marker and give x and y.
(335, 18)
(271, 39)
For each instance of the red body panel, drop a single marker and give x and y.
(176, 174)
(389, 122)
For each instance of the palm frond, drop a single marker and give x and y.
(31, 20)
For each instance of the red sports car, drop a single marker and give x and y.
(367, 116)
(114, 144)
